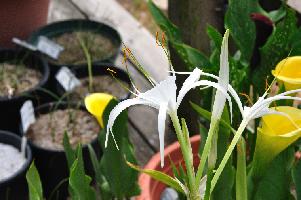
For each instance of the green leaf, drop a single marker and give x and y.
(121, 178)
(160, 176)
(297, 178)
(80, 183)
(242, 28)
(207, 115)
(192, 57)
(241, 171)
(276, 48)
(69, 152)
(34, 183)
(169, 28)
(275, 184)
(215, 36)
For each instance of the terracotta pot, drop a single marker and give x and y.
(152, 189)
(18, 18)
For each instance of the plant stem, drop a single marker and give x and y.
(188, 159)
(206, 151)
(228, 153)
(89, 63)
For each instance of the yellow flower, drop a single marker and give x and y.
(276, 133)
(288, 71)
(96, 104)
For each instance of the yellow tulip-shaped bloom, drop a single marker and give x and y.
(276, 133)
(96, 104)
(288, 71)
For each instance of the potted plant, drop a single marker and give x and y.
(19, 18)
(14, 164)
(21, 76)
(46, 135)
(101, 41)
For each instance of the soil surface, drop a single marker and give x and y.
(15, 79)
(103, 84)
(99, 46)
(11, 161)
(48, 130)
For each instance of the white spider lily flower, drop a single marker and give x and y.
(163, 96)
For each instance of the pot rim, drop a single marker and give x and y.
(53, 29)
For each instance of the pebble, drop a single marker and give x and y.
(11, 160)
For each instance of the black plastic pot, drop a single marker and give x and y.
(10, 107)
(52, 165)
(58, 28)
(101, 69)
(15, 187)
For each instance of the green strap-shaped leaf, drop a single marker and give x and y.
(34, 183)
(69, 152)
(241, 171)
(162, 177)
(297, 178)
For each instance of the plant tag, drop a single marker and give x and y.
(49, 47)
(24, 44)
(27, 115)
(67, 79)
(169, 194)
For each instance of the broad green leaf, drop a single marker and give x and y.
(34, 183)
(121, 178)
(80, 183)
(215, 36)
(69, 152)
(241, 171)
(169, 28)
(160, 176)
(242, 28)
(192, 57)
(275, 184)
(276, 48)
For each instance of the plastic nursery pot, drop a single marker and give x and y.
(152, 189)
(58, 29)
(52, 164)
(103, 72)
(19, 18)
(10, 107)
(15, 187)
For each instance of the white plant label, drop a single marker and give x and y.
(67, 79)
(49, 47)
(27, 115)
(24, 44)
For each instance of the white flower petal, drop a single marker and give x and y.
(223, 80)
(161, 129)
(193, 77)
(117, 110)
(165, 91)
